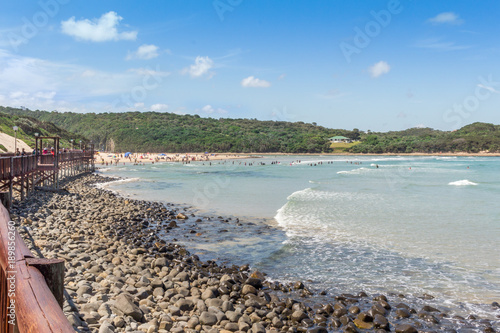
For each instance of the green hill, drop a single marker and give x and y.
(168, 132)
(472, 138)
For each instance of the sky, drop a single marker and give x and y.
(372, 65)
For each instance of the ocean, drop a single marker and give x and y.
(414, 225)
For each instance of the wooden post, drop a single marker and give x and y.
(53, 272)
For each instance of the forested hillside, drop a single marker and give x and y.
(472, 138)
(168, 132)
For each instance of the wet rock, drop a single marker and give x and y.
(255, 282)
(362, 324)
(248, 289)
(405, 328)
(428, 308)
(403, 313)
(298, 285)
(381, 322)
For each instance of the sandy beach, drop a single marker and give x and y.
(103, 158)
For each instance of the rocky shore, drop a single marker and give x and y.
(122, 277)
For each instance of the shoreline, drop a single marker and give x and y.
(105, 159)
(151, 216)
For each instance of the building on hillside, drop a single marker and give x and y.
(339, 139)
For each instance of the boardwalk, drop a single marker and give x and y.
(31, 288)
(20, 175)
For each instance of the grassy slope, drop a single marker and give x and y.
(29, 126)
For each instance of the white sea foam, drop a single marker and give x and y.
(126, 180)
(353, 171)
(102, 170)
(463, 182)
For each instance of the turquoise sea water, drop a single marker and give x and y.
(414, 225)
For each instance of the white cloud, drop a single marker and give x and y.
(209, 110)
(149, 72)
(98, 30)
(201, 66)
(45, 94)
(146, 51)
(46, 85)
(159, 107)
(139, 105)
(446, 18)
(439, 45)
(379, 68)
(18, 94)
(281, 77)
(255, 82)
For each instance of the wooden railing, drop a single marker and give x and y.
(24, 173)
(27, 303)
(31, 289)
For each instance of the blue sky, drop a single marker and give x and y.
(372, 65)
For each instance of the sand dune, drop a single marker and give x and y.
(9, 142)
